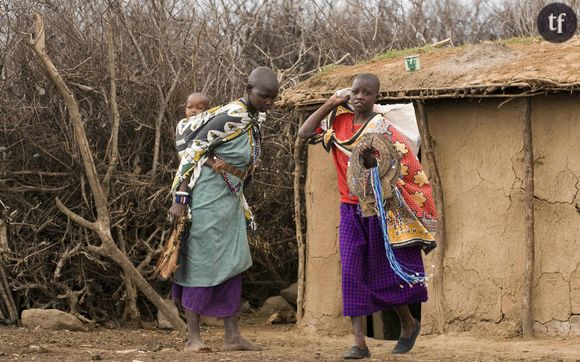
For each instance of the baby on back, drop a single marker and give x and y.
(196, 103)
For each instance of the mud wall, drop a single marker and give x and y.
(556, 137)
(323, 297)
(479, 150)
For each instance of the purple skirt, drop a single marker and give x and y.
(220, 301)
(368, 282)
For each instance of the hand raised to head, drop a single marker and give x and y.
(341, 96)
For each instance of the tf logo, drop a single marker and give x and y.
(557, 22)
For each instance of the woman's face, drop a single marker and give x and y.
(262, 98)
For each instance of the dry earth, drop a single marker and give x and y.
(284, 343)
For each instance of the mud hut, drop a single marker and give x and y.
(501, 134)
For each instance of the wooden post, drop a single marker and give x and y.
(527, 317)
(298, 147)
(431, 163)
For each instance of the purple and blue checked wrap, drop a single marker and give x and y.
(368, 282)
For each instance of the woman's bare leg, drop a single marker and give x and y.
(233, 340)
(194, 341)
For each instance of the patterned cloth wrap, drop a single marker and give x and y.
(195, 152)
(358, 177)
(413, 220)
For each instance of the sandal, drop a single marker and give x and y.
(355, 352)
(404, 345)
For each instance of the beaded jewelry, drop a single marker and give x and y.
(255, 155)
(409, 276)
(182, 197)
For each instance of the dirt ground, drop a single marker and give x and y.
(282, 342)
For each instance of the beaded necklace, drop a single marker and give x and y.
(256, 149)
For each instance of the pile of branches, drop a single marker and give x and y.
(163, 50)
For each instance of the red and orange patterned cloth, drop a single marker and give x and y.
(414, 221)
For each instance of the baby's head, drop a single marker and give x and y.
(196, 103)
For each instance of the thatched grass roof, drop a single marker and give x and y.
(513, 68)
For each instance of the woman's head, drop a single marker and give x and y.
(262, 89)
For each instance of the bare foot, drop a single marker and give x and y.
(198, 347)
(242, 345)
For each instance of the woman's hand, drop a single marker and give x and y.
(176, 211)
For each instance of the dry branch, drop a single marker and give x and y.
(163, 100)
(114, 139)
(102, 225)
(6, 298)
(298, 148)
(6, 294)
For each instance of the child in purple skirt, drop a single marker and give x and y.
(369, 284)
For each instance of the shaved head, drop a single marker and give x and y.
(263, 77)
(364, 93)
(372, 80)
(262, 89)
